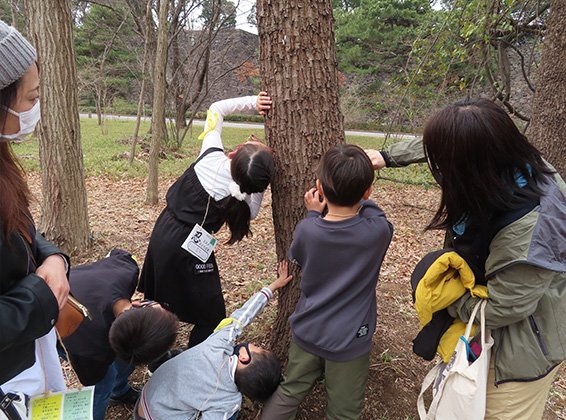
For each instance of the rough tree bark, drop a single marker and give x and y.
(299, 71)
(65, 216)
(549, 107)
(158, 126)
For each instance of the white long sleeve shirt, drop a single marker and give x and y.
(213, 171)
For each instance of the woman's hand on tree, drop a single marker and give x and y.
(376, 158)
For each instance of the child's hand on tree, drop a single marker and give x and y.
(263, 103)
(284, 277)
(313, 201)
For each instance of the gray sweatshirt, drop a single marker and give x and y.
(201, 379)
(340, 261)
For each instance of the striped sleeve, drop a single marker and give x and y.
(244, 315)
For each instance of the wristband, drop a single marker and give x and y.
(386, 158)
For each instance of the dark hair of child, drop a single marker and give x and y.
(142, 335)
(345, 173)
(260, 378)
(476, 152)
(252, 169)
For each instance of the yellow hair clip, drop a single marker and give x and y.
(211, 121)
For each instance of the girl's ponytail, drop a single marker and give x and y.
(251, 169)
(238, 219)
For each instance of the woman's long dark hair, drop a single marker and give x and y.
(14, 204)
(476, 152)
(252, 169)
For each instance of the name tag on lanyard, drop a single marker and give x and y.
(199, 243)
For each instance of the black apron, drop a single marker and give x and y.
(171, 275)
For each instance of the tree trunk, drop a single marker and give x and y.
(145, 60)
(65, 215)
(549, 107)
(97, 106)
(299, 71)
(176, 63)
(158, 127)
(139, 112)
(14, 13)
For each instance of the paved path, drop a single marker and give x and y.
(399, 136)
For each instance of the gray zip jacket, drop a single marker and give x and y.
(201, 379)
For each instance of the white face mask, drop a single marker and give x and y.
(28, 121)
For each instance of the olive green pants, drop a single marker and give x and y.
(345, 385)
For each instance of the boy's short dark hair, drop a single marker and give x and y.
(260, 378)
(141, 335)
(345, 173)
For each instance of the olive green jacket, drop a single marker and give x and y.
(404, 153)
(526, 273)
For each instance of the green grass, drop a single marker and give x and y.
(106, 154)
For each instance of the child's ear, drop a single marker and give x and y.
(319, 188)
(367, 193)
(244, 357)
(233, 152)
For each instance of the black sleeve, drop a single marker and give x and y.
(27, 311)
(388, 162)
(44, 249)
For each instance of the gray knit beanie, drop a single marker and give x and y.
(16, 55)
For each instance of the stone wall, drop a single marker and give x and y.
(234, 66)
(234, 71)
